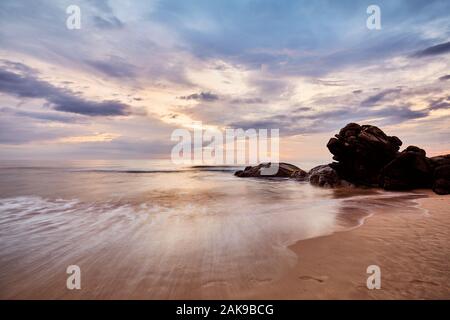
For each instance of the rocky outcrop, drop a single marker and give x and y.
(285, 170)
(361, 152)
(441, 174)
(410, 169)
(365, 155)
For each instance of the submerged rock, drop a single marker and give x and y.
(285, 170)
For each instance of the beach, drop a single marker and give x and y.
(411, 248)
(147, 230)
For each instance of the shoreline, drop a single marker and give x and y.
(411, 249)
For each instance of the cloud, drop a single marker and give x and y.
(72, 104)
(441, 103)
(101, 5)
(444, 78)
(373, 100)
(247, 100)
(324, 121)
(45, 116)
(16, 131)
(114, 67)
(111, 22)
(60, 99)
(202, 96)
(434, 50)
(330, 83)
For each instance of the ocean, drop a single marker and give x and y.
(149, 229)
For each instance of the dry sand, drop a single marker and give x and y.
(412, 248)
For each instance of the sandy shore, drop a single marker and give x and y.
(406, 235)
(411, 248)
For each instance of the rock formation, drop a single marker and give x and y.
(361, 152)
(365, 155)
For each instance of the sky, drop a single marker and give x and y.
(137, 70)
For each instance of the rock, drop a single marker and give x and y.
(285, 170)
(325, 176)
(441, 174)
(361, 152)
(440, 161)
(300, 175)
(410, 169)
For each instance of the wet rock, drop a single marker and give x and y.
(361, 152)
(410, 169)
(285, 170)
(326, 176)
(300, 175)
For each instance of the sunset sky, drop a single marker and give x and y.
(137, 70)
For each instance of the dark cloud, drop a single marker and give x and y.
(17, 66)
(202, 96)
(372, 100)
(60, 99)
(444, 78)
(302, 109)
(73, 104)
(434, 50)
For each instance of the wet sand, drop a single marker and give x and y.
(411, 248)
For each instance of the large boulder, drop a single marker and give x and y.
(410, 169)
(325, 176)
(361, 152)
(441, 174)
(285, 170)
